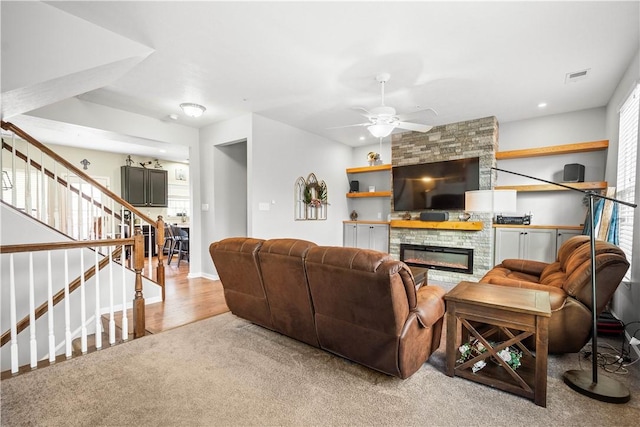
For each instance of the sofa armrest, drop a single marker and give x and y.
(430, 306)
(525, 266)
(508, 281)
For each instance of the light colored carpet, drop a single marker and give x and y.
(226, 371)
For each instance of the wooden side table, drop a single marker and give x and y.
(484, 310)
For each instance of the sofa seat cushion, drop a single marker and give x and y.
(502, 272)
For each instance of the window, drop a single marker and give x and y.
(627, 168)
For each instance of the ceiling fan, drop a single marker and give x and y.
(383, 119)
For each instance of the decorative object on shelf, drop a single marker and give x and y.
(310, 198)
(373, 158)
(145, 164)
(406, 216)
(85, 164)
(464, 216)
(128, 161)
(157, 165)
(354, 215)
(474, 348)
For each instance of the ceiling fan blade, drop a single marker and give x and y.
(363, 111)
(415, 114)
(350, 126)
(414, 126)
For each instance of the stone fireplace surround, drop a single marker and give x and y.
(473, 138)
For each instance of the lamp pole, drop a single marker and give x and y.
(607, 389)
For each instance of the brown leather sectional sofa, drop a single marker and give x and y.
(568, 281)
(356, 303)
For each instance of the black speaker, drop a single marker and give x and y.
(434, 216)
(573, 172)
(354, 186)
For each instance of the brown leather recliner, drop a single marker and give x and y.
(367, 309)
(568, 281)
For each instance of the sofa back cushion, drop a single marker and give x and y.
(362, 299)
(236, 261)
(285, 283)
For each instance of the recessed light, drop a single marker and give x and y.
(362, 138)
(162, 150)
(542, 105)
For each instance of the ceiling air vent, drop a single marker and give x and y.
(576, 76)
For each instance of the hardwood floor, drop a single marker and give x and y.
(186, 300)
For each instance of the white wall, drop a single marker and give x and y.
(561, 207)
(280, 155)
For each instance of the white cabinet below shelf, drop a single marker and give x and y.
(536, 244)
(531, 243)
(565, 234)
(366, 235)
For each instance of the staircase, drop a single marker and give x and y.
(72, 255)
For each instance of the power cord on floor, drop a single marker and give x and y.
(609, 358)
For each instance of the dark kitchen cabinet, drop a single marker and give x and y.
(144, 187)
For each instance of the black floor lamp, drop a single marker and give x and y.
(606, 389)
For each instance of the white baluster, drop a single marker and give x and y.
(83, 306)
(112, 320)
(123, 256)
(69, 212)
(27, 180)
(98, 328)
(13, 315)
(32, 316)
(43, 211)
(52, 337)
(80, 234)
(14, 191)
(67, 308)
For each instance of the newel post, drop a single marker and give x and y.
(160, 244)
(138, 301)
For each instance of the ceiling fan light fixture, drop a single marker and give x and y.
(381, 130)
(192, 110)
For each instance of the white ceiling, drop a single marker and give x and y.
(308, 64)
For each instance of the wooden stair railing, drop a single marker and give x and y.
(137, 244)
(158, 225)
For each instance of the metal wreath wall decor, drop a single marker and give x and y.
(310, 199)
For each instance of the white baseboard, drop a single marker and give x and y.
(210, 276)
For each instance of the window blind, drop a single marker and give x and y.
(627, 169)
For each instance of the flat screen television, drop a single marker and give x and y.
(436, 186)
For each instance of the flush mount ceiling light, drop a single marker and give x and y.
(192, 110)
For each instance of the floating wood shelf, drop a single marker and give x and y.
(370, 194)
(375, 168)
(600, 185)
(580, 147)
(438, 225)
